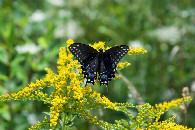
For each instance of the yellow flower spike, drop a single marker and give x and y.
(88, 89)
(99, 45)
(167, 105)
(72, 75)
(115, 108)
(31, 85)
(108, 48)
(137, 50)
(69, 42)
(49, 76)
(69, 58)
(122, 65)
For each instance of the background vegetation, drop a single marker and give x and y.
(31, 33)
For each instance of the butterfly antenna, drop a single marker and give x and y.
(109, 40)
(85, 85)
(93, 41)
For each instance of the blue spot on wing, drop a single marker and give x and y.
(90, 76)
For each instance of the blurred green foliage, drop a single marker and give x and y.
(165, 28)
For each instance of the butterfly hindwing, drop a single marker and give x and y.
(90, 71)
(104, 75)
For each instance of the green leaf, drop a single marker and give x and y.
(42, 65)
(3, 77)
(8, 33)
(17, 69)
(5, 113)
(42, 42)
(3, 55)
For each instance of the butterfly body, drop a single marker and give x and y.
(93, 61)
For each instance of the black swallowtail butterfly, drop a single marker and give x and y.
(92, 61)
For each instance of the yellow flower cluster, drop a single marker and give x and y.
(137, 50)
(169, 126)
(103, 101)
(5, 97)
(166, 105)
(122, 65)
(69, 42)
(27, 92)
(99, 45)
(152, 114)
(40, 125)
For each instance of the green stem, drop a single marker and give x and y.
(64, 122)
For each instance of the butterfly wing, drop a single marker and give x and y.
(88, 58)
(113, 55)
(83, 53)
(109, 63)
(90, 70)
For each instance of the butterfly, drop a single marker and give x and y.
(93, 61)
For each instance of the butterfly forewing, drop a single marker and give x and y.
(83, 53)
(114, 54)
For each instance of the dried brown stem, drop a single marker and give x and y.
(133, 90)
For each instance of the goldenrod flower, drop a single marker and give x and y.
(70, 97)
(99, 45)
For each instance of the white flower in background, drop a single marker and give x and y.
(170, 34)
(185, 13)
(188, 13)
(56, 2)
(92, 14)
(31, 48)
(64, 13)
(73, 29)
(60, 31)
(77, 3)
(32, 119)
(37, 16)
(70, 30)
(135, 44)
